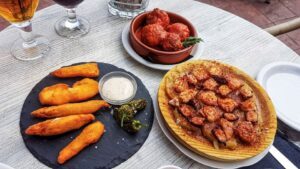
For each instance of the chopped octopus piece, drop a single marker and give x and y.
(207, 131)
(191, 79)
(231, 144)
(200, 74)
(187, 110)
(227, 104)
(211, 113)
(175, 102)
(227, 128)
(181, 84)
(199, 121)
(246, 132)
(187, 95)
(210, 84)
(196, 103)
(248, 105)
(224, 90)
(246, 91)
(219, 133)
(216, 72)
(208, 97)
(230, 116)
(252, 116)
(233, 83)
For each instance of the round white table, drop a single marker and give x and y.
(227, 37)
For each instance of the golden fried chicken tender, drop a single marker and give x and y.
(61, 93)
(59, 125)
(87, 107)
(89, 135)
(83, 70)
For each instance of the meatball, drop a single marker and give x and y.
(153, 34)
(180, 29)
(158, 16)
(171, 42)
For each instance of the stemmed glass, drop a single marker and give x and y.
(19, 13)
(71, 26)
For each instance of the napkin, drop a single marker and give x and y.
(291, 151)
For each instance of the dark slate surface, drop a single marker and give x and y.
(115, 146)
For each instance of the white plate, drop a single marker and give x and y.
(197, 52)
(282, 82)
(4, 166)
(200, 159)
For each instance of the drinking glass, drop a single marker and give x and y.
(127, 8)
(71, 26)
(19, 13)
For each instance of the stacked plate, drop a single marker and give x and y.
(282, 81)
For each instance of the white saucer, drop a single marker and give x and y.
(197, 52)
(198, 158)
(282, 82)
(4, 166)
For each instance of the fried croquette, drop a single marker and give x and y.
(61, 93)
(87, 107)
(83, 70)
(59, 125)
(89, 135)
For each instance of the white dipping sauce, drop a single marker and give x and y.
(117, 88)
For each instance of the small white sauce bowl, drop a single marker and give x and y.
(117, 74)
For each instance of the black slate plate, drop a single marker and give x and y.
(115, 146)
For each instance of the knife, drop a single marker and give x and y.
(286, 163)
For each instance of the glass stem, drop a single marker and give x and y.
(72, 21)
(26, 34)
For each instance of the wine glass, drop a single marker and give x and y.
(71, 26)
(19, 13)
